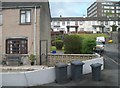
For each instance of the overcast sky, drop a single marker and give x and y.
(70, 8)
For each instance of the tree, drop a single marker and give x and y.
(114, 27)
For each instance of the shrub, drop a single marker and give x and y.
(87, 46)
(72, 44)
(59, 44)
(114, 27)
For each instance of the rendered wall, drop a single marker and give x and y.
(40, 77)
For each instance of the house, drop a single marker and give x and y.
(25, 30)
(84, 24)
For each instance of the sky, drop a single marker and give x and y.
(70, 8)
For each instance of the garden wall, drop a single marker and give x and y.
(41, 76)
(67, 58)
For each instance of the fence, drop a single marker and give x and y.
(67, 58)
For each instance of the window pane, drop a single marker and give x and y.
(16, 47)
(63, 23)
(22, 18)
(23, 12)
(27, 16)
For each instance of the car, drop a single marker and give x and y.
(110, 41)
(100, 39)
(99, 48)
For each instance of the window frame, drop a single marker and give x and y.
(16, 46)
(25, 16)
(106, 22)
(63, 23)
(118, 22)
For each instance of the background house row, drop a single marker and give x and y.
(24, 30)
(84, 24)
(101, 15)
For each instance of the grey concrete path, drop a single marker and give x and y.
(109, 78)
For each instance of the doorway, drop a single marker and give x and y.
(43, 52)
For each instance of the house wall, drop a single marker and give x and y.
(12, 28)
(45, 36)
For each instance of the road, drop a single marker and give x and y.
(111, 56)
(112, 61)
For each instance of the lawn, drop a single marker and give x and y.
(54, 48)
(93, 36)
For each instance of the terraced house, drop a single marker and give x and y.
(24, 30)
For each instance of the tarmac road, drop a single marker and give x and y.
(110, 74)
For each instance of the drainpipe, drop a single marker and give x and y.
(35, 36)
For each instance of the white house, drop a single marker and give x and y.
(84, 24)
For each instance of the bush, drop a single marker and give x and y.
(59, 44)
(72, 44)
(87, 46)
(114, 27)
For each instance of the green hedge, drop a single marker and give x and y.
(87, 46)
(72, 44)
(114, 27)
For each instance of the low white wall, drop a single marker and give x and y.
(43, 76)
(87, 67)
(31, 78)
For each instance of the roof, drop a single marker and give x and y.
(19, 4)
(84, 19)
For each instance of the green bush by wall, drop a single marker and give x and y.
(87, 46)
(72, 44)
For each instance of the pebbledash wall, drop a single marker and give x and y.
(43, 76)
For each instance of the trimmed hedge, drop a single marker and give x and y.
(72, 44)
(87, 46)
(59, 44)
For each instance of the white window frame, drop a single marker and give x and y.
(25, 16)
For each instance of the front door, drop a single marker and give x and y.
(43, 52)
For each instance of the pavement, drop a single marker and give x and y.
(109, 78)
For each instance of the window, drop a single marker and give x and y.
(106, 22)
(118, 22)
(25, 16)
(93, 22)
(101, 23)
(117, 7)
(68, 22)
(117, 11)
(1, 19)
(55, 23)
(58, 22)
(76, 22)
(81, 29)
(63, 23)
(81, 22)
(16, 46)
